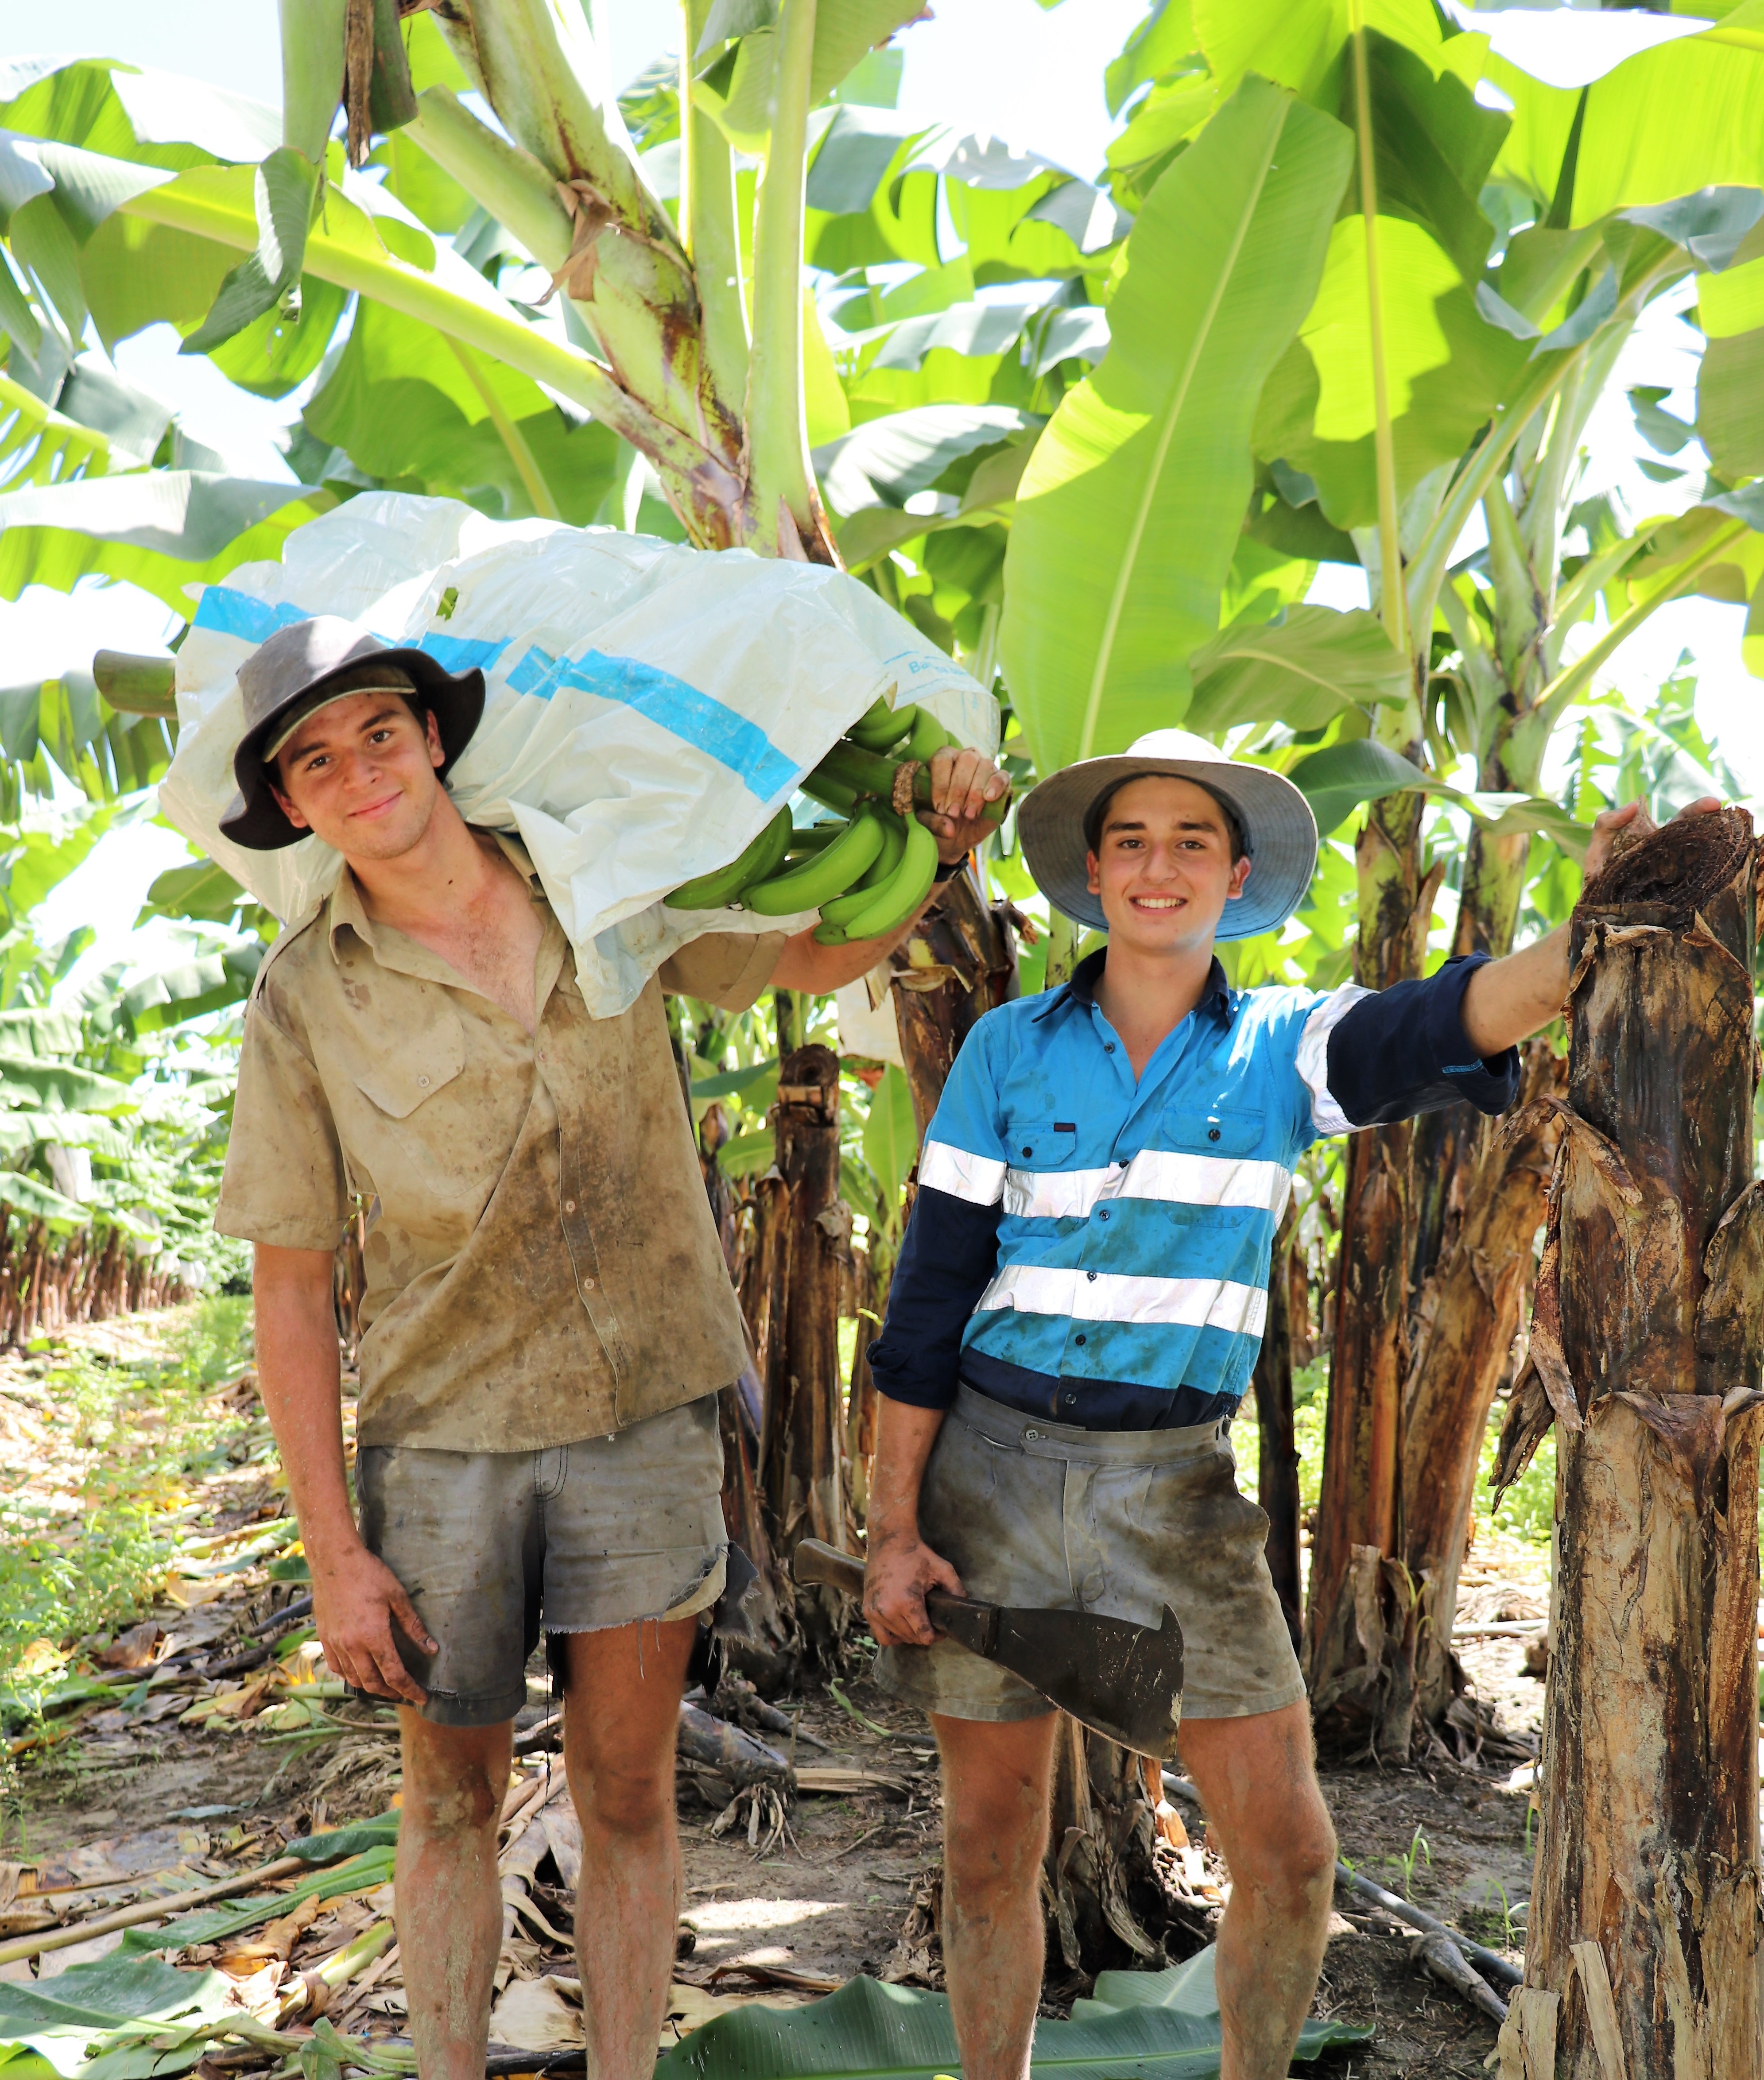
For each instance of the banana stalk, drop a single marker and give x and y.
(709, 228)
(509, 182)
(625, 270)
(790, 520)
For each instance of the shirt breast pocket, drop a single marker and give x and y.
(1221, 1128)
(1042, 1144)
(403, 1080)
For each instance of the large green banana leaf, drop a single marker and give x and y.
(1684, 115)
(1165, 2027)
(401, 403)
(1730, 382)
(1343, 777)
(161, 530)
(1129, 513)
(1445, 365)
(1301, 669)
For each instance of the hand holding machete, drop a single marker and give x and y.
(1122, 1680)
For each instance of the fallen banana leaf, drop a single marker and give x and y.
(381, 1832)
(48, 2028)
(361, 1873)
(1152, 2026)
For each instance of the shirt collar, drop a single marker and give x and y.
(1215, 996)
(346, 906)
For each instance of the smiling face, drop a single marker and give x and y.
(1163, 866)
(361, 774)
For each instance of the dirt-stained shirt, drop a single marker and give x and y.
(541, 1261)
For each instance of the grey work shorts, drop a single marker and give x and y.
(1121, 1522)
(491, 1546)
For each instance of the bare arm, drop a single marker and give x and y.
(963, 782)
(356, 1599)
(1509, 1001)
(900, 1566)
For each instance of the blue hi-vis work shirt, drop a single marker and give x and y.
(1095, 1250)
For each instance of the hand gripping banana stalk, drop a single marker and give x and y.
(866, 873)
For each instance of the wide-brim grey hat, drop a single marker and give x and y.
(1280, 832)
(284, 679)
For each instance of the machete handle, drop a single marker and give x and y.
(814, 1563)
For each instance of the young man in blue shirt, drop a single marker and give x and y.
(1074, 1319)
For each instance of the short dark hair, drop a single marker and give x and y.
(1098, 809)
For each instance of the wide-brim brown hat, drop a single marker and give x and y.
(284, 679)
(1280, 832)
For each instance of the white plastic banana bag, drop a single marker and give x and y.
(648, 707)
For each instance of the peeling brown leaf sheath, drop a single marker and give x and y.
(1728, 1332)
(1529, 1418)
(590, 213)
(1546, 1356)
(1527, 2046)
(1691, 1426)
(358, 77)
(1601, 2010)
(1645, 1917)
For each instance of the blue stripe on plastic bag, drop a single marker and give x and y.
(719, 732)
(257, 620)
(238, 613)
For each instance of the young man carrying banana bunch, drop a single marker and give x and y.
(1073, 1320)
(548, 1309)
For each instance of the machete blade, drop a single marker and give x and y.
(1124, 1680)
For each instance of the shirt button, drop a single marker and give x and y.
(1091, 1275)
(1080, 1339)
(1102, 1216)
(1108, 1046)
(1212, 1134)
(587, 1285)
(1028, 1152)
(570, 1205)
(422, 1083)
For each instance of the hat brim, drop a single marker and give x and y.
(1280, 832)
(254, 818)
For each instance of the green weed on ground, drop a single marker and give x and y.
(89, 1523)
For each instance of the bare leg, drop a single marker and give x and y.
(450, 1903)
(995, 1788)
(1258, 1780)
(620, 1718)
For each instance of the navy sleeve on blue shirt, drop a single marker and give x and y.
(1402, 1051)
(947, 1258)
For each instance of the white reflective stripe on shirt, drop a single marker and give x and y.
(1313, 1057)
(978, 1179)
(1193, 1303)
(1154, 1173)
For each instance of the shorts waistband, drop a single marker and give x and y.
(1036, 1435)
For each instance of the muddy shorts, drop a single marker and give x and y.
(1120, 1522)
(492, 1546)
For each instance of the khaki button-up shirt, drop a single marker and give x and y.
(541, 1262)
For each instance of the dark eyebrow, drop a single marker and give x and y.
(393, 706)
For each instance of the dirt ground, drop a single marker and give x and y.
(787, 1922)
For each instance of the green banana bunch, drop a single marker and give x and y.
(895, 901)
(862, 894)
(882, 727)
(761, 859)
(866, 874)
(823, 876)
